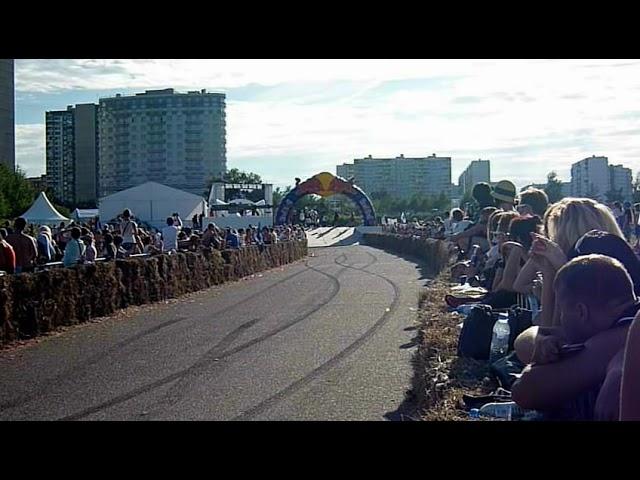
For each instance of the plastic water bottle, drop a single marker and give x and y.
(503, 410)
(474, 255)
(500, 338)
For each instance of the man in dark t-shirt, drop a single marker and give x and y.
(568, 364)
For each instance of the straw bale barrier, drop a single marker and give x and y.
(436, 254)
(35, 303)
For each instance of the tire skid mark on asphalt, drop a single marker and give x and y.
(75, 370)
(213, 355)
(333, 361)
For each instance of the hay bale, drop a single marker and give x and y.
(35, 303)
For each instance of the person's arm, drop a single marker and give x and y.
(548, 386)
(525, 343)
(512, 267)
(526, 276)
(477, 229)
(630, 391)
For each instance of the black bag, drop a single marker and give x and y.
(477, 330)
(506, 370)
(519, 320)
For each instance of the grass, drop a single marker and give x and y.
(440, 376)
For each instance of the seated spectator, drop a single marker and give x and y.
(90, 253)
(504, 194)
(567, 386)
(74, 250)
(476, 234)
(564, 223)
(7, 255)
(536, 199)
(24, 246)
(170, 236)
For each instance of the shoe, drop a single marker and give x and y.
(477, 401)
(455, 302)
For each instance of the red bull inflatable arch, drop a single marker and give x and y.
(325, 185)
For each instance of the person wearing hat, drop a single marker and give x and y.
(505, 195)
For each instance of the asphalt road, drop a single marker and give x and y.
(326, 338)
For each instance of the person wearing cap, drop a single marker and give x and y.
(504, 194)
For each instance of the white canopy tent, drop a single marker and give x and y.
(42, 212)
(152, 202)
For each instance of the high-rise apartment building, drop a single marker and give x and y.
(177, 139)
(72, 154)
(476, 171)
(7, 114)
(590, 178)
(402, 176)
(346, 170)
(593, 177)
(621, 181)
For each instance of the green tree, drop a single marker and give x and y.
(279, 194)
(16, 193)
(239, 176)
(553, 189)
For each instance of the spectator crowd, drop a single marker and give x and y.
(26, 248)
(567, 275)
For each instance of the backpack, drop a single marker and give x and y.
(477, 330)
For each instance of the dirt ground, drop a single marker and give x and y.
(441, 377)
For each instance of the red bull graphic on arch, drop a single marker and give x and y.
(325, 185)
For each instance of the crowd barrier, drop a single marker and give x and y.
(34, 303)
(435, 254)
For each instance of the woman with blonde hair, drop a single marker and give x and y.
(564, 223)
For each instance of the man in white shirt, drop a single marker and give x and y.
(170, 236)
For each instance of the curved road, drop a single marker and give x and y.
(326, 338)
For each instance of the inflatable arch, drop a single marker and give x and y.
(325, 185)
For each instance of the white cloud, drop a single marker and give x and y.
(30, 148)
(536, 115)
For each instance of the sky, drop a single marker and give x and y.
(295, 118)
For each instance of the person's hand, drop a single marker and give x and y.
(543, 247)
(546, 349)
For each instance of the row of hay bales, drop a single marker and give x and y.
(34, 303)
(435, 254)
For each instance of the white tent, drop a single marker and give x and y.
(42, 212)
(152, 202)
